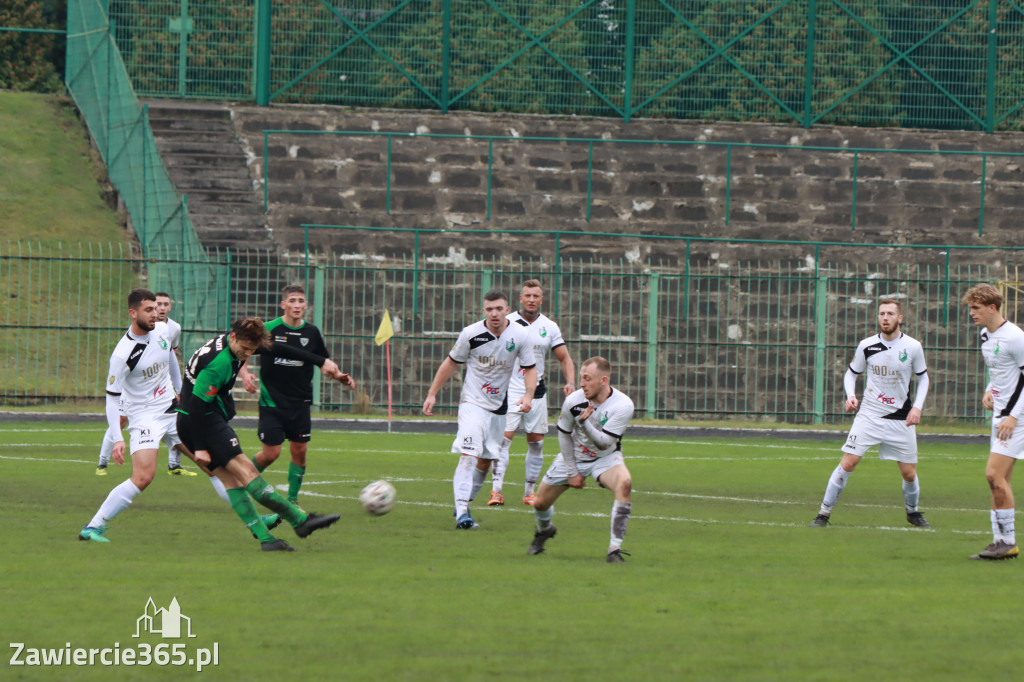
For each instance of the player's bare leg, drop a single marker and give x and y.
(998, 473)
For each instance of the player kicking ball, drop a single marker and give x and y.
(590, 429)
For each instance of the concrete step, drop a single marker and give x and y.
(174, 125)
(193, 182)
(241, 197)
(182, 109)
(203, 160)
(190, 146)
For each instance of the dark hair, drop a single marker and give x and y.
(495, 295)
(251, 330)
(137, 296)
(163, 293)
(292, 289)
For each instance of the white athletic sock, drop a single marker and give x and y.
(534, 463)
(117, 501)
(462, 483)
(544, 517)
(173, 458)
(107, 446)
(500, 466)
(836, 484)
(911, 494)
(221, 490)
(478, 482)
(620, 518)
(1002, 526)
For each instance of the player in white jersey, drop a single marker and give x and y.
(886, 417)
(590, 429)
(547, 337)
(1002, 345)
(141, 369)
(163, 307)
(489, 349)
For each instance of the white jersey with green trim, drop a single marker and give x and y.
(546, 336)
(139, 371)
(1003, 351)
(889, 365)
(489, 360)
(613, 415)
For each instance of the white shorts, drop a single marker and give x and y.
(557, 475)
(534, 421)
(895, 440)
(1011, 448)
(480, 432)
(146, 431)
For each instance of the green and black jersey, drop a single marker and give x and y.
(286, 381)
(209, 377)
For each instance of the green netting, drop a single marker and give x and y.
(99, 83)
(940, 64)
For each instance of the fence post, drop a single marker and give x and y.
(319, 303)
(990, 76)
(651, 401)
(263, 15)
(630, 30)
(820, 321)
(812, 11)
(486, 280)
(446, 53)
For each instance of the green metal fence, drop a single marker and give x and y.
(940, 64)
(765, 340)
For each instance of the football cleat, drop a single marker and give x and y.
(820, 521)
(276, 545)
(539, 538)
(497, 500)
(315, 522)
(93, 534)
(918, 519)
(615, 556)
(466, 522)
(101, 470)
(528, 499)
(178, 471)
(998, 550)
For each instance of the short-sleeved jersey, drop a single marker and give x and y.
(1003, 351)
(175, 331)
(489, 361)
(139, 372)
(209, 377)
(613, 415)
(889, 366)
(288, 382)
(546, 337)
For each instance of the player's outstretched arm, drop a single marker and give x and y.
(444, 373)
(568, 369)
(249, 380)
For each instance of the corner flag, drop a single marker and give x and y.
(385, 331)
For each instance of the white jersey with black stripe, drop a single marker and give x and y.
(139, 371)
(547, 336)
(1003, 351)
(889, 366)
(489, 360)
(613, 415)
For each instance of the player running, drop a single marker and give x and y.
(886, 417)
(547, 337)
(489, 349)
(590, 430)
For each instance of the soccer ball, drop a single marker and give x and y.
(378, 498)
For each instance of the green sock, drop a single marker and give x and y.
(295, 474)
(265, 494)
(243, 506)
(256, 464)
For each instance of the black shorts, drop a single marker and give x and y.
(278, 423)
(221, 440)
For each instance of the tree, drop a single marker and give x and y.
(25, 57)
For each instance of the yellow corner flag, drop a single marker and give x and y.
(385, 331)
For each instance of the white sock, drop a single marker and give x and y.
(534, 463)
(107, 446)
(221, 490)
(1002, 526)
(620, 518)
(117, 501)
(911, 494)
(462, 483)
(836, 484)
(544, 517)
(478, 482)
(173, 458)
(500, 466)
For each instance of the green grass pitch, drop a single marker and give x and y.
(725, 581)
